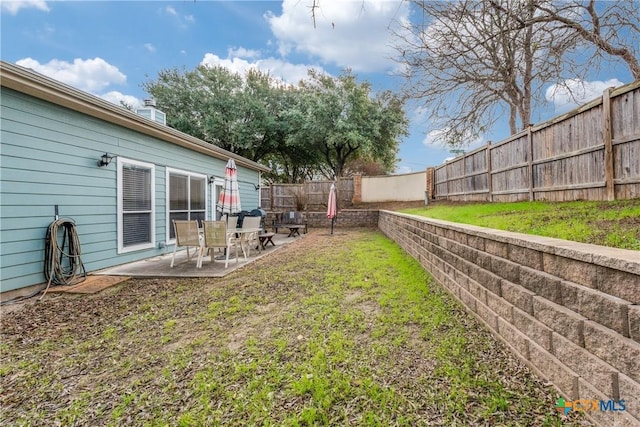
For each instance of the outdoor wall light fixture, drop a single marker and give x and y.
(105, 160)
(212, 179)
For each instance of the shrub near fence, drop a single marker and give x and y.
(592, 153)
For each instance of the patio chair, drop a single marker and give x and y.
(251, 239)
(216, 236)
(232, 222)
(187, 235)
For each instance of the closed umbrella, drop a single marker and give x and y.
(229, 199)
(332, 208)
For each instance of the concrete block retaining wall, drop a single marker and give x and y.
(571, 311)
(347, 218)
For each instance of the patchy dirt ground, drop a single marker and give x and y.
(331, 330)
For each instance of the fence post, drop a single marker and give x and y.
(446, 175)
(608, 146)
(530, 167)
(465, 190)
(489, 178)
(357, 189)
(430, 184)
(271, 197)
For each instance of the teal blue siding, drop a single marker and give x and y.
(49, 157)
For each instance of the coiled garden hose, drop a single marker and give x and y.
(62, 262)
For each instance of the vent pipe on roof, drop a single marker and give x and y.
(150, 112)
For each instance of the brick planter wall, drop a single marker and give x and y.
(569, 310)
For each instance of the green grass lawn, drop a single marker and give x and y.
(331, 330)
(615, 224)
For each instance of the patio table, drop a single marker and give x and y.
(241, 232)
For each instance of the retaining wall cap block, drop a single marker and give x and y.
(623, 259)
(619, 259)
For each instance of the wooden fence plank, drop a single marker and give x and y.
(566, 158)
(608, 148)
(530, 161)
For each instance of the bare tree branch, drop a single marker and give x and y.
(470, 61)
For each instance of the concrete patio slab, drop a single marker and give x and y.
(159, 266)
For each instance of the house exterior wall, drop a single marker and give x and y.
(399, 188)
(49, 157)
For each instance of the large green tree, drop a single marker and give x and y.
(294, 159)
(235, 112)
(344, 121)
(301, 131)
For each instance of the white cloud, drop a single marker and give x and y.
(287, 72)
(91, 75)
(420, 113)
(573, 92)
(352, 34)
(14, 6)
(436, 138)
(241, 52)
(181, 21)
(150, 47)
(115, 97)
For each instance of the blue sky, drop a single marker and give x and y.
(109, 48)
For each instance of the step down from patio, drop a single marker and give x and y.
(91, 285)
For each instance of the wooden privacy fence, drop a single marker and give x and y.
(310, 196)
(592, 153)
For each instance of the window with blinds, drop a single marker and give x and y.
(186, 198)
(135, 205)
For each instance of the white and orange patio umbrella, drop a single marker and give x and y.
(229, 199)
(332, 206)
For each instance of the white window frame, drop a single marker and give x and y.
(121, 162)
(215, 195)
(168, 173)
